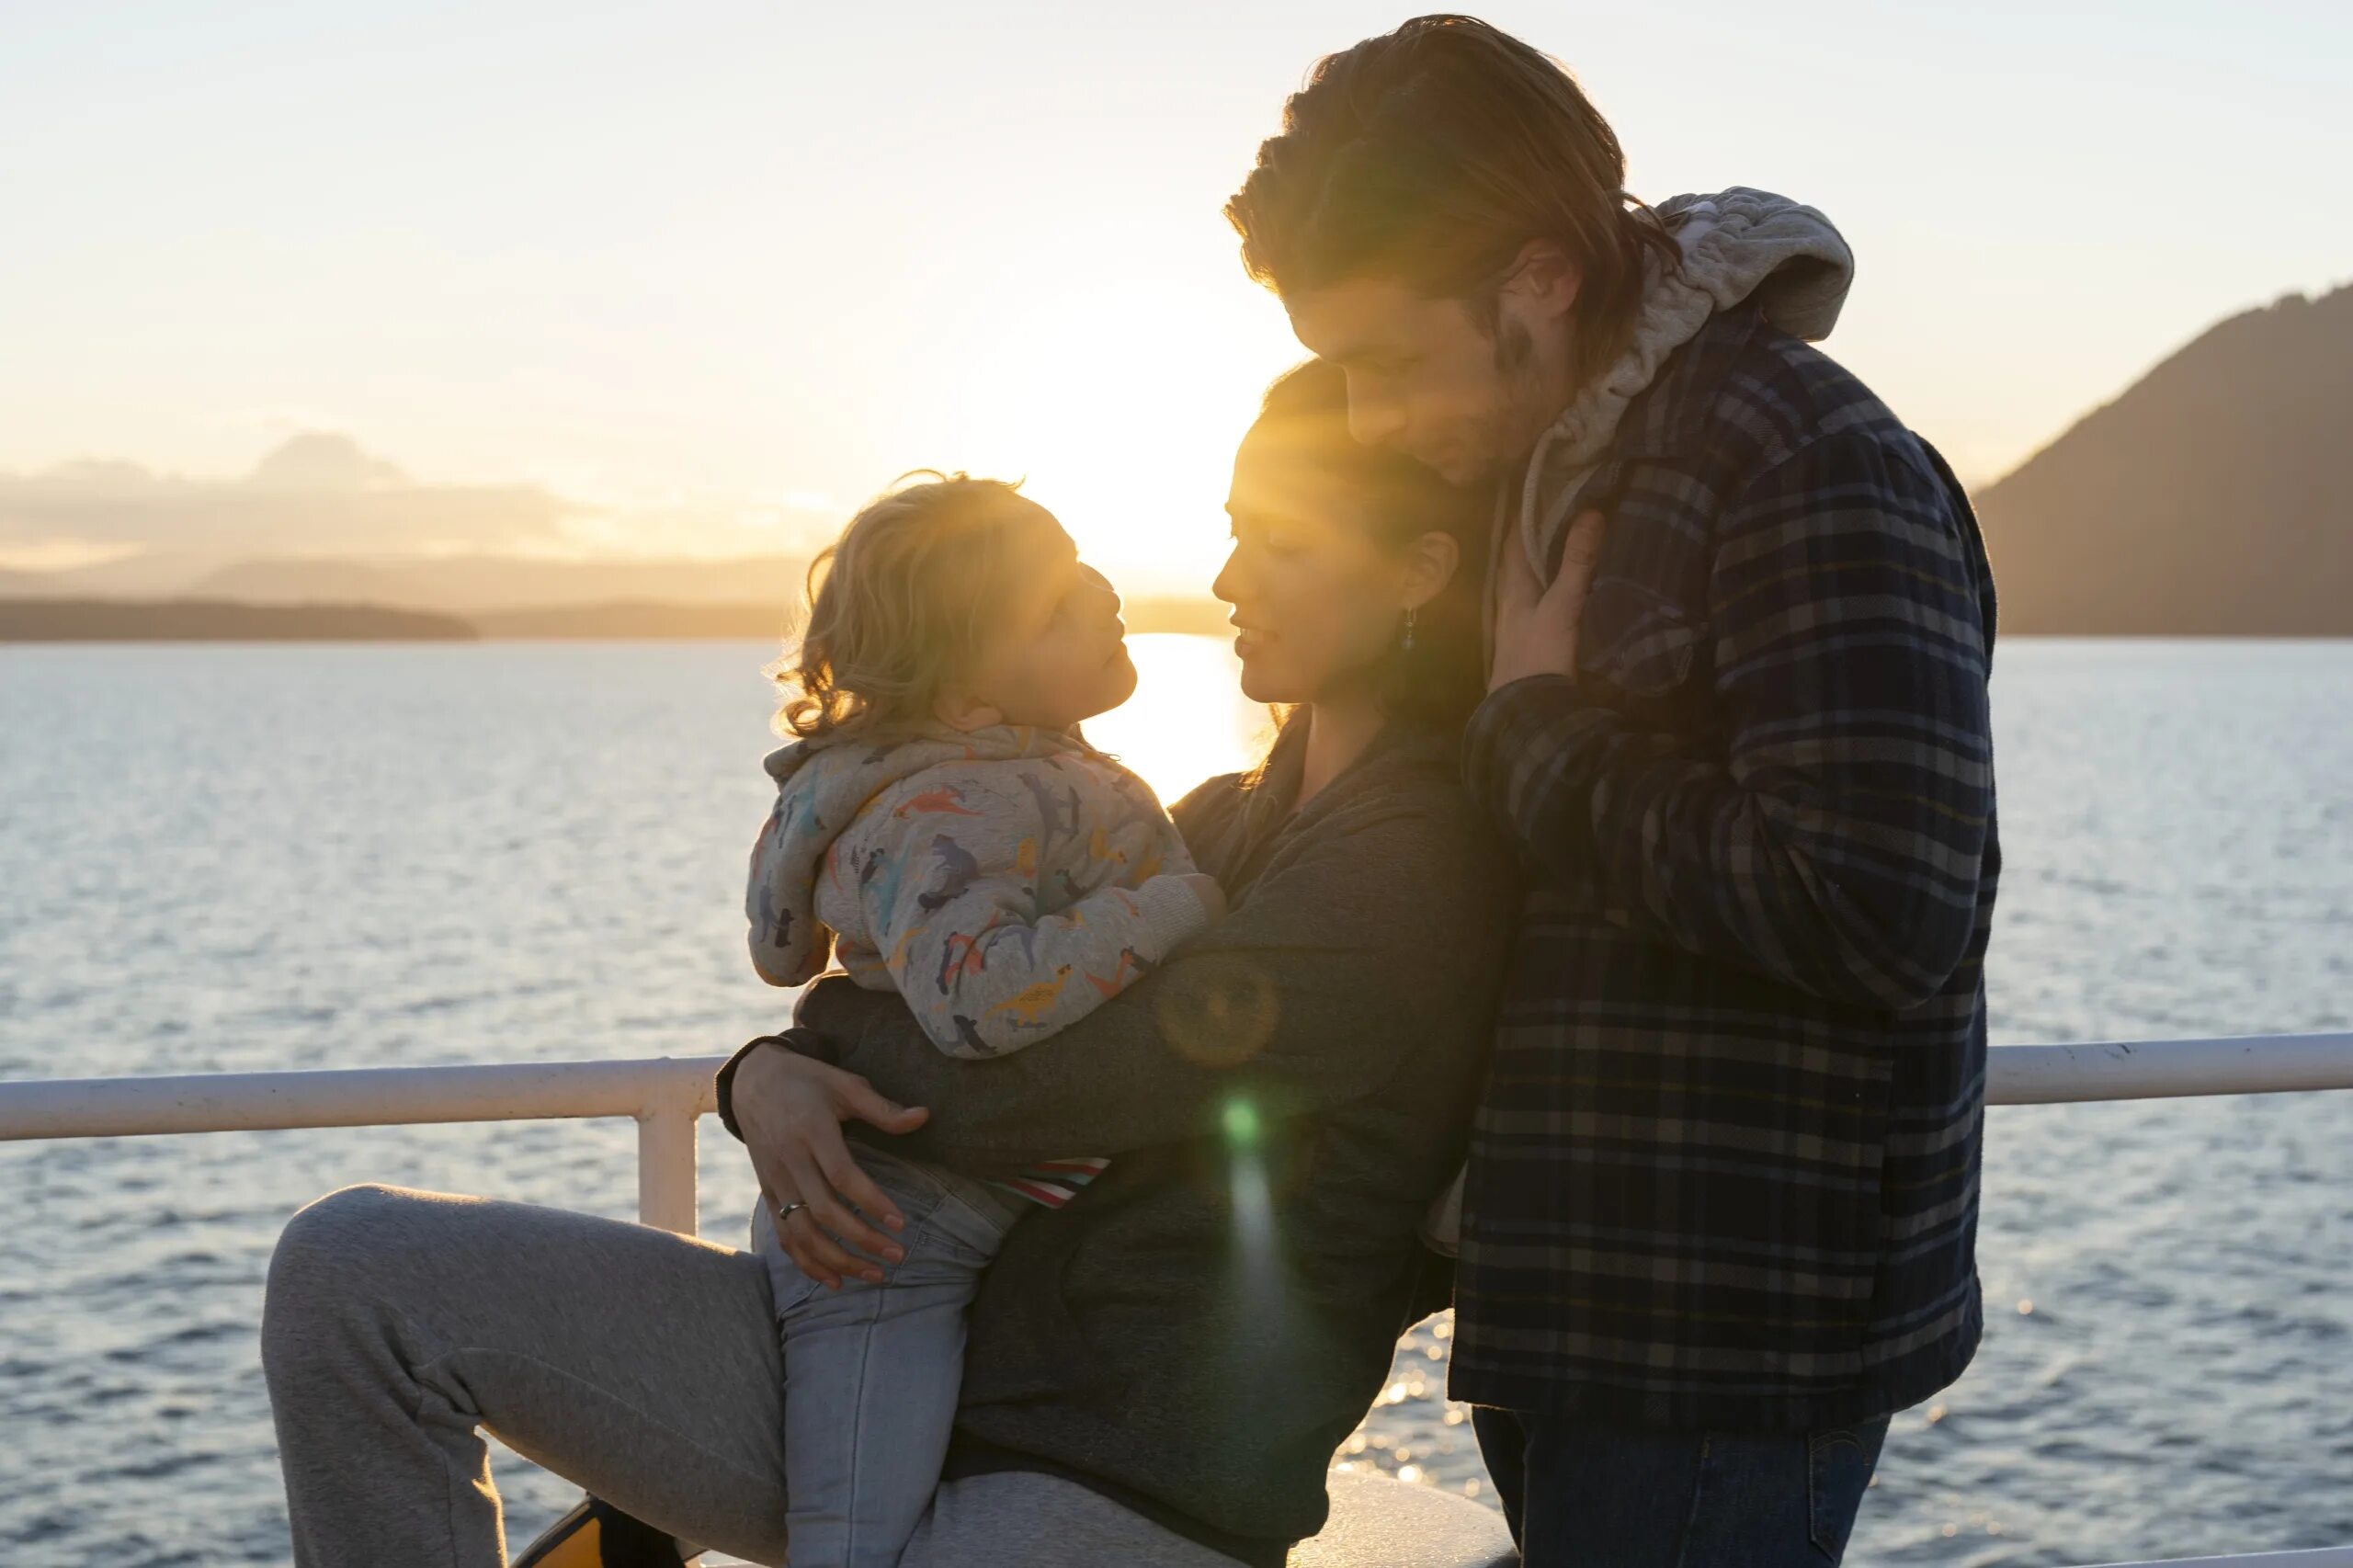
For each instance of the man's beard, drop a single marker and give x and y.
(1508, 431)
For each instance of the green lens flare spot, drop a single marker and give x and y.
(1241, 1123)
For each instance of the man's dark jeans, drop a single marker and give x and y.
(1580, 1496)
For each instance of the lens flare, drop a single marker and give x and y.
(1242, 1124)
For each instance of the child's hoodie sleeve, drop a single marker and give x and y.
(958, 926)
(788, 945)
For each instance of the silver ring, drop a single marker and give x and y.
(784, 1210)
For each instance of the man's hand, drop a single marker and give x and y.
(791, 1110)
(1536, 627)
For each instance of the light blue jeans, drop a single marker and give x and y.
(871, 1372)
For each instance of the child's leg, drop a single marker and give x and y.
(872, 1373)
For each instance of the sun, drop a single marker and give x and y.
(1188, 719)
(1120, 406)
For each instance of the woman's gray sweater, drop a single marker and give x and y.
(1197, 1332)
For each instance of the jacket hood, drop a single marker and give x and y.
(1738, 245)
(821, 786)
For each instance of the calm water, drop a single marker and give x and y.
(226, 857)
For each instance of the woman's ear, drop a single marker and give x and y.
(1431, 563)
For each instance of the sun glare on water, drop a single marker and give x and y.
(1188, 720)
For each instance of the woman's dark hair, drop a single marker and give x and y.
(1439, 680)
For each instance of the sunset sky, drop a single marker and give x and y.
(697, 279)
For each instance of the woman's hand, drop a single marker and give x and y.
(1536, 627)
(791, 1110)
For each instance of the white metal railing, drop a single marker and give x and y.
(2168, 1069)
(666, 1096)
(2323, 1557)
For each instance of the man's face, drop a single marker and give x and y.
(1427, 378)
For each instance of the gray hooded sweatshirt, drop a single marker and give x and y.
(1738, 245)
(1004, 881)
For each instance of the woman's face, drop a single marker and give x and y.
(1316, 601)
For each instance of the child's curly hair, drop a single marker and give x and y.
(902, 600)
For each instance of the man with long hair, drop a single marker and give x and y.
(1720, 1214)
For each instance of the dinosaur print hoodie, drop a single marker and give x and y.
(1003, 880)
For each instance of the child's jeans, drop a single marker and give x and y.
(871, 1372)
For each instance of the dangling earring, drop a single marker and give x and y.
(1409, 631)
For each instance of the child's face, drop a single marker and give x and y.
(1057, 655)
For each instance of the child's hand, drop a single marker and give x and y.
(1205, 888)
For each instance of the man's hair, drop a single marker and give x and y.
(1431, 156)
(905, 600)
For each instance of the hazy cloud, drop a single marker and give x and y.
(316, 493)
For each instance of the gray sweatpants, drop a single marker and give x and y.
(643, 1365)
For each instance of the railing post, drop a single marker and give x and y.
(666, 1167)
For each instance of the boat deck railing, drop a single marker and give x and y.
(667, 1096)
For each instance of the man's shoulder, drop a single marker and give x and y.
(1743, 396)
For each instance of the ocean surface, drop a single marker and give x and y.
(237, 858)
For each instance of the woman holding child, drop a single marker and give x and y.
(1185, 1095)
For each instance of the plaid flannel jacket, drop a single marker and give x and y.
(1725, 1172)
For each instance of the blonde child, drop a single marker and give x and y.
(942, 831)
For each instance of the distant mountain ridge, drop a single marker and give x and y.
(459, 584)
(2213, 496)
(640, 620)
(57, 619)
(468, 584)
(215, 620)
